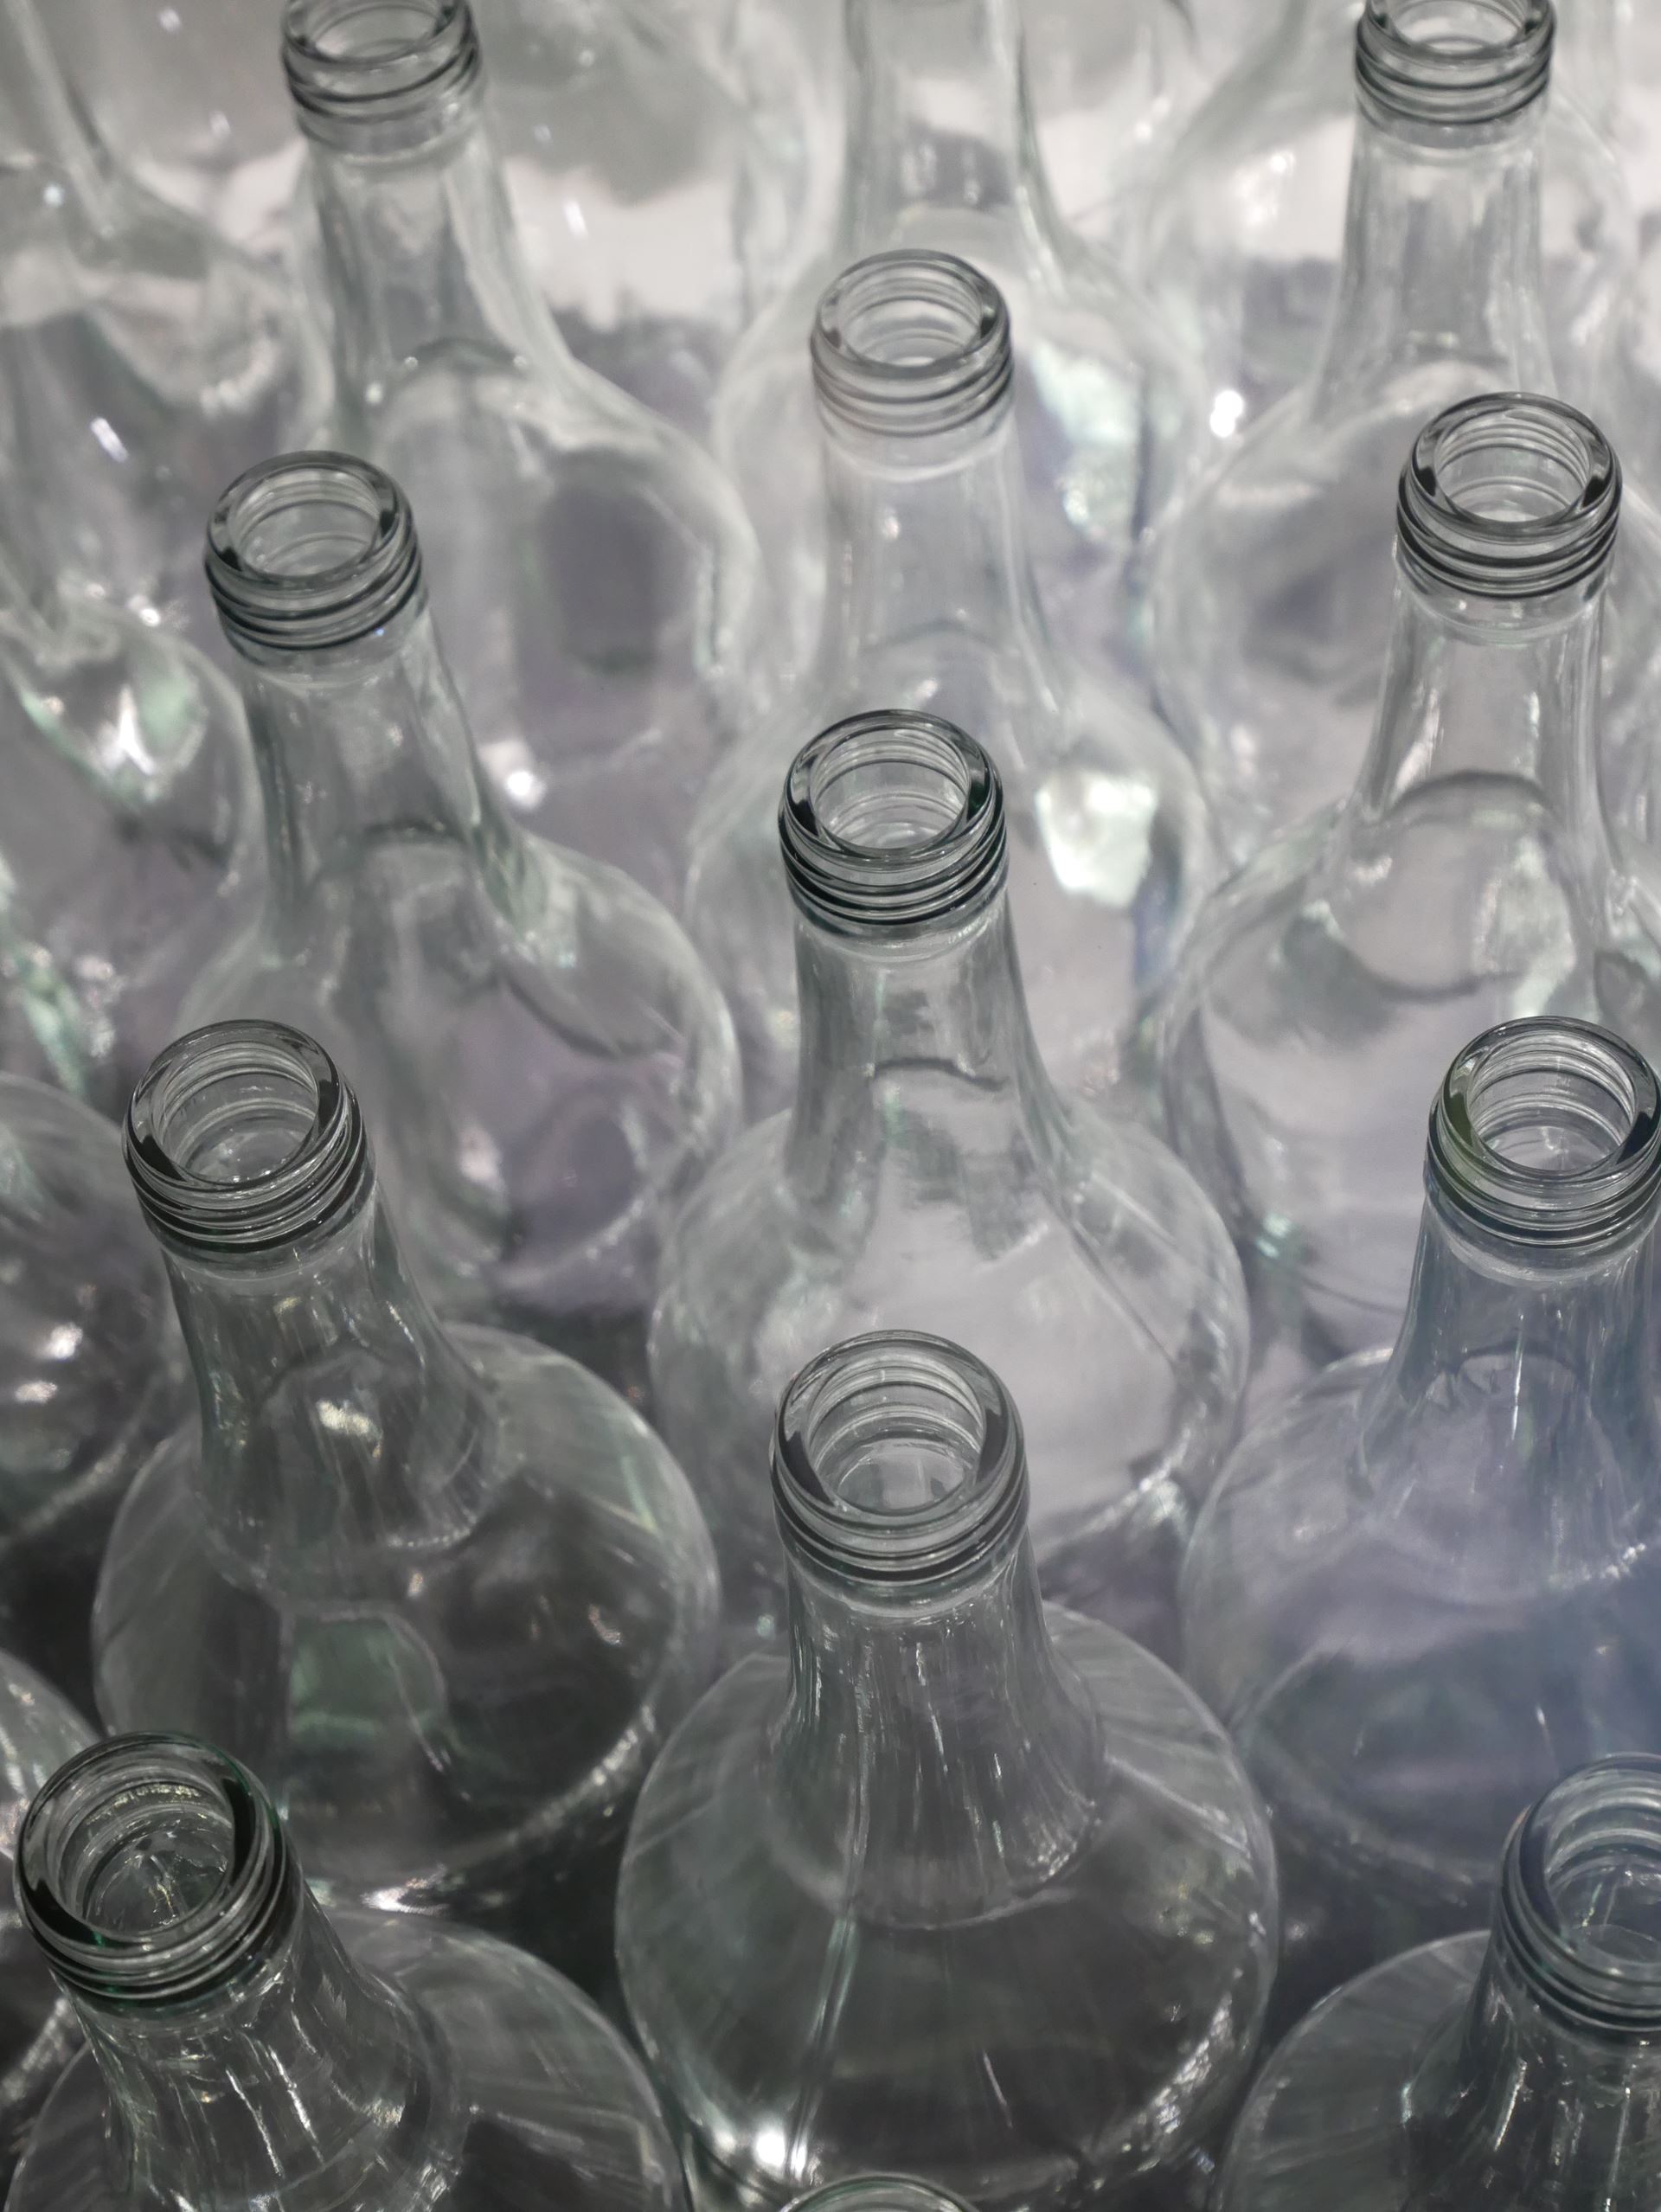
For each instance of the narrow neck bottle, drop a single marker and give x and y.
(246, 2059)
(343, 1433)
(1545, 2090)
(1441, 262)
(48, 145)
(933, 1757)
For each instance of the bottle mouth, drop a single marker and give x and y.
(897, 1460)
(1580, 1897)
(242, 1138)
(878, 2193)
(308, 552)
(1509, 497)
(1547, 1134)
(150, 1869)
(890, 822)
(911, 346)
(379, 75)
(1455, 63)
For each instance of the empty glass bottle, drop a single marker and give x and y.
(449, 1589)
(92, 1373)
(932, 605)
(247, 2052)
(1427, 1585)
(940, 155)
(549, 1066)
(143, 361)
(1467, 878)
(963, 1885)
(1271, 594)
(1516, 2069)
(38, 1732)
(593, 568)
(931, 1172)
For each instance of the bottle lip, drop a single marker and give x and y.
(1488, 64)
(911, 344)
(135, 1797)
(898, 1462)
(1585, 1104)
(1509, 495)
(380, 75)
(1560, 1888)
(311, 551)
(878, 2193)
(891, 823)
(275, 1098)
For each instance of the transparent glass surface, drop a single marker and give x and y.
(962, 1886)
(143, 360)
(1467, 878)
(931, 1173)
(592, 571)
(940, 156)
(38, 1732)
(92, 1374)
(243, 2048)
(1520, 2069)
(1427, 1586)
(547, 1064)
(932, 605)
(450, 1590)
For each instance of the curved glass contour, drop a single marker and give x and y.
(964, 1884)
(449, 1588)
(1430, 1584)
(245, 2048)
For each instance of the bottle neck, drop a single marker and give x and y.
(1441, 264)
(938, 115)
(48, 145)
(935, 1757)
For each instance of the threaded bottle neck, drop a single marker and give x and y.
(1436, 67)
(381, 76)
(912, 348)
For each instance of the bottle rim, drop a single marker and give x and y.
(274, 1095)
(141, 1794)
(878, 2193)
(898, 1461)
(891, 823)
(311, 551)
(380, 75)
(1597, 1823)
(1585, 1104)
(1509, 495)
(1493, 68)
(911, 344)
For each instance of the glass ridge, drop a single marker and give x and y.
(1480, 61)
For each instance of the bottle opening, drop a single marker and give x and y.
(878, 2193)
(311, 551)
(1509, 497)
(892, 821)
(1548, 1133)
(150, 1869)
(243, 1139)
(1580, 1897)
(379, 75)
(911, 346)
(1455, 64)
(897, 1458)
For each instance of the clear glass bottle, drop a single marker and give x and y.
(1467, 878)
(931, 1172)
(939, 153)
(932, 605)
(92, 1372)
(143, 360)
(38, 1732)
(1427, 1585)
(1246, 235)
(246, 2048)
(592, 569)
(1517, 2069)
(963, 1885)
(547, 1065)
(448, 1588)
